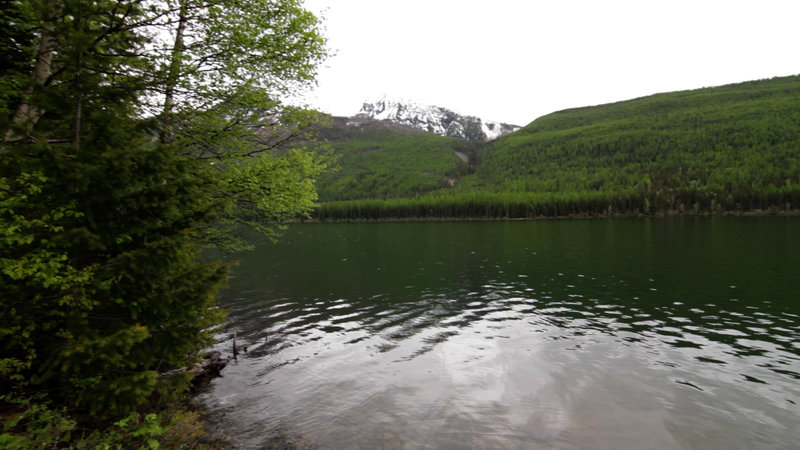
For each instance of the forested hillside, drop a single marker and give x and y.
(379, 161)
(738, 137)
(721, 149)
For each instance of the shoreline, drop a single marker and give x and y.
(752, 213)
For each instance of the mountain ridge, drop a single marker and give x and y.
(433, 119)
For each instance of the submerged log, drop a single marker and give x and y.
(211, 366)
(202, 372)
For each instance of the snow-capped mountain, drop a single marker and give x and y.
(434, 119)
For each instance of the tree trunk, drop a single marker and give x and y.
(27, 114)
(174, 74)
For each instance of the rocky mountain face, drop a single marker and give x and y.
(433, 119)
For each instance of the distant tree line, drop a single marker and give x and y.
(492, 205)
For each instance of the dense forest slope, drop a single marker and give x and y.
(729, 148)
(378, 159)
(738, 137)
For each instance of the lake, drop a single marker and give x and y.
(564, 334)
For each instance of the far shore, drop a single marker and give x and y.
(753, 213)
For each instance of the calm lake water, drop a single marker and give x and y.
(577, 334)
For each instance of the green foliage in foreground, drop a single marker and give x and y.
(102, 283)
(35, 424)
(713, 150)
(123, 157)
(381, 163)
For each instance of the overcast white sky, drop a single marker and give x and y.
(516, 60)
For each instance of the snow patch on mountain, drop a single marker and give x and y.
(434, 119)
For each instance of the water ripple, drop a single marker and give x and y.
(550, 351)
(568, 314)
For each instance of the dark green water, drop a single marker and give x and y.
(664, 333)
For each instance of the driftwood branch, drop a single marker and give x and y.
(211, 366)
(203, 372)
